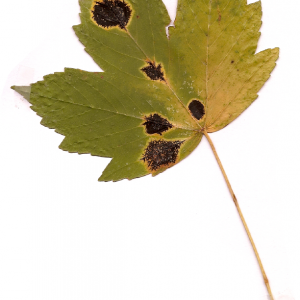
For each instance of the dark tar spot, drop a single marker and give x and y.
(161, 153)
(232, 61)
(156, 124)
(111, 13)
(154, 72)
(197, 109)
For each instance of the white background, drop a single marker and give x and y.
(65, 236)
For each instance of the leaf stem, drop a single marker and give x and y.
(240, 213)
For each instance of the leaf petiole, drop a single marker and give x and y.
(240, 214)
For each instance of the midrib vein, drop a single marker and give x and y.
(207, 53)
(102, 109)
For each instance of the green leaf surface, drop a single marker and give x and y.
(148, 109)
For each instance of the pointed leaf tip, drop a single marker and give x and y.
(23, 91)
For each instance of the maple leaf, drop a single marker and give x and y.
(158, 94)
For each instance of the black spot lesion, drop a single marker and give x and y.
(111, 13)
(197, 109)
(153, 71)
(160, 153)
(156, 124)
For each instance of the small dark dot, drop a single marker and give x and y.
(232, 61)
(154, 72)
(156, 124)
(161, 153)
(237, 69)
(197, 109)
(111, 13)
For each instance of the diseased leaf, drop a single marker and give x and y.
(157, 94)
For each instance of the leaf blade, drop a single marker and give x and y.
(148, 110)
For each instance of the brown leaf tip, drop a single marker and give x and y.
(154, 72)
(111, 13)
(161, 153)
(156, 124)
(197, 109)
